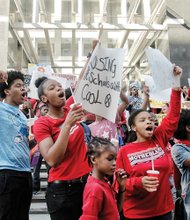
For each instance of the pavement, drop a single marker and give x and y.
(39, 217)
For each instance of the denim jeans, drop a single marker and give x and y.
(15, 194)
(64, 202)
(36, 174)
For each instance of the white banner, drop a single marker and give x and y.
(162, 70)
(38, 70)
(99, 89)
(157, 95)
(69, 79)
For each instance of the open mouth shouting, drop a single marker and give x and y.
(23, 95)
(150, 129)
(61, 95)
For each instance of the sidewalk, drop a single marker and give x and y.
(39, 217)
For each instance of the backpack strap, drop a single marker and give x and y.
(87, 132)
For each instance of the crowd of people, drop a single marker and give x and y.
(97, 169)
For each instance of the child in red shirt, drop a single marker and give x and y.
(149, 143)
(99, 199)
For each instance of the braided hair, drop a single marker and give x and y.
(96, 146)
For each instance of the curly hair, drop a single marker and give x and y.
(181, 132)
(12, 76)
(96, 146)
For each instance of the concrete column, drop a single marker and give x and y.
(19, 57)
(104, 38)
(146, 8)
(57, 10)
(80, 11)
(73, 11)
(80, 50)
(4, 30)
(35, 11)
(57, 45)
(124, 10)
(57, 39)
(73, 50)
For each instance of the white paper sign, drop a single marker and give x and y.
(37, 71)
(99, 89)
(33, 92)
(69, 79)
(157, 95)
(162, 70)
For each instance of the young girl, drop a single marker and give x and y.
(99, 199)
(62, 145)
(149, 197)
(181, 156)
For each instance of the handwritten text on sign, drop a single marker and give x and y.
(99, 89)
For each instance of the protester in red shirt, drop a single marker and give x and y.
(61, 141)
(100, 200)
(148, 151)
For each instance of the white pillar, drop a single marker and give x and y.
(4, 31)
(80, 11)
(35, 11)
(80, 50)
(124, 8)
(19, 57)
(146, 8)
(57, 10)
(123, 16)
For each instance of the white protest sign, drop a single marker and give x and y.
(69, 79)
(37, 71)
(162, 70)
(99, 89)
(157, 95)
(149, 82)
(33, 91)
(161, 96)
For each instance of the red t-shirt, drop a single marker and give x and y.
(99, 201)
(74, 163)
(135, 159)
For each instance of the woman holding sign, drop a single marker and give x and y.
(62, 144)
(61, 141)
(148, 194)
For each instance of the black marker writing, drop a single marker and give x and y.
(89, 95)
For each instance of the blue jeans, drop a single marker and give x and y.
(64, 201)
(36, 174)
(15, 194)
